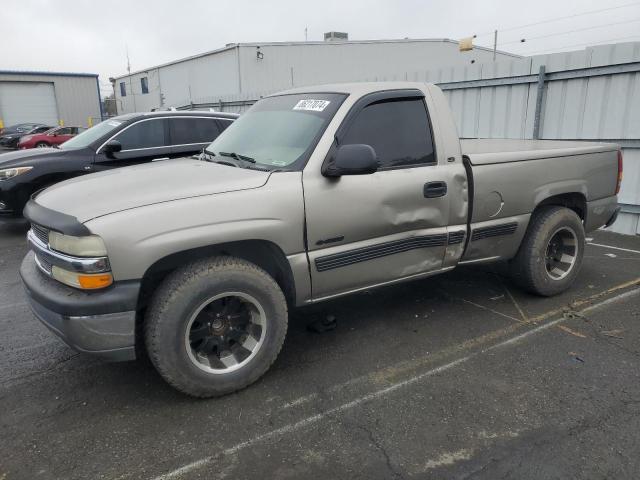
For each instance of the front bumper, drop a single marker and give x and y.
(98, 323)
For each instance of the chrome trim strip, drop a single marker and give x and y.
(478, 260)
(148, 120)
(74, 264)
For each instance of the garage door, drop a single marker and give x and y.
(28, 102)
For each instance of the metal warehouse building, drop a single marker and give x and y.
(50, 98)
(248, 70)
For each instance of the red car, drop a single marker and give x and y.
(50, 138)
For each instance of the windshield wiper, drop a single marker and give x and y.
(237, 156)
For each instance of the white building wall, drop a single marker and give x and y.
(197, 80)
(236, 71)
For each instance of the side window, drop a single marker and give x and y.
(144, 134)
(123, 89)
(398, 130)
(144, 84)
(224, 124)
(193, 130)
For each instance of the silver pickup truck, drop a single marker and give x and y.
(313, 193)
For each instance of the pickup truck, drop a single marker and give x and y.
(312, 194)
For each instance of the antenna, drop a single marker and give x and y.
(305, 34)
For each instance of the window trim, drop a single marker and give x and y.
(377, 97)
(99, 150)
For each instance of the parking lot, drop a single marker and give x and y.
(458, 376)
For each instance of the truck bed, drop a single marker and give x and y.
(490, 151)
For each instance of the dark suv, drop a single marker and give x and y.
(121, 141)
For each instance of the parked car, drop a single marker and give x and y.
(19, 128)
(118, 142)
(51, 138)
(10, 140)
(312, 194)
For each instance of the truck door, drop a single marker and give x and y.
(367, 230)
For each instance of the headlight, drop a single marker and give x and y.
(8, 173)
(89, 246)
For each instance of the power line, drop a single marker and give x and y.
(571, 31)
(591, 12)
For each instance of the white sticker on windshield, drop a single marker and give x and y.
(311, 104)
(113, 123)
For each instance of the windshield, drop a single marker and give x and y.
(278, 132)
(89, 136)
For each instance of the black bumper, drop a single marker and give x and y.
(100, 323)
(614, 217)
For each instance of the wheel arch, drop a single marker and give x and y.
(575, 201)
(263, 253)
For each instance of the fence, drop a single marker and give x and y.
(591, 95)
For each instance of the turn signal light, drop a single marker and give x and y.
(83, 281)
(92, 282)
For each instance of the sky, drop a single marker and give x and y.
(94, 37)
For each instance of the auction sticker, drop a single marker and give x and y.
(312, 105)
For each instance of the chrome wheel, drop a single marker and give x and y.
(562, 252)
(225, 332)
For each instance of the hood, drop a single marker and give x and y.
(23, 158)
(120, 189)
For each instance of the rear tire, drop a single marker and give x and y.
(215, 326)
(550, 255)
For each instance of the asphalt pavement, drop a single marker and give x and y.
(460, 376)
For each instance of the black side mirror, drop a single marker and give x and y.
(357, 159)
(111, 147)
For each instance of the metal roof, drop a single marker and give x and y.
(50, 74)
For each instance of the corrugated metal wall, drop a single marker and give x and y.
(593, 94)
(77, 95)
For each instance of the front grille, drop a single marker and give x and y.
(41, 233)
(44, 265)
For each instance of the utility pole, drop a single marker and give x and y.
(495, 44)
(130, 84)
(305, 34)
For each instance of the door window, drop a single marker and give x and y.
(185, 131)
(397, 129)
(144, 134)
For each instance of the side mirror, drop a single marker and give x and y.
(357, 159)
(111, 147)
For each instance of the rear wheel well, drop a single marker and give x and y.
(573, 201)
(266, 255)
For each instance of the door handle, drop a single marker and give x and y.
(435, 189)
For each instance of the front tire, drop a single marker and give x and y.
(215, 326)
(42, 145)
(550, 256)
